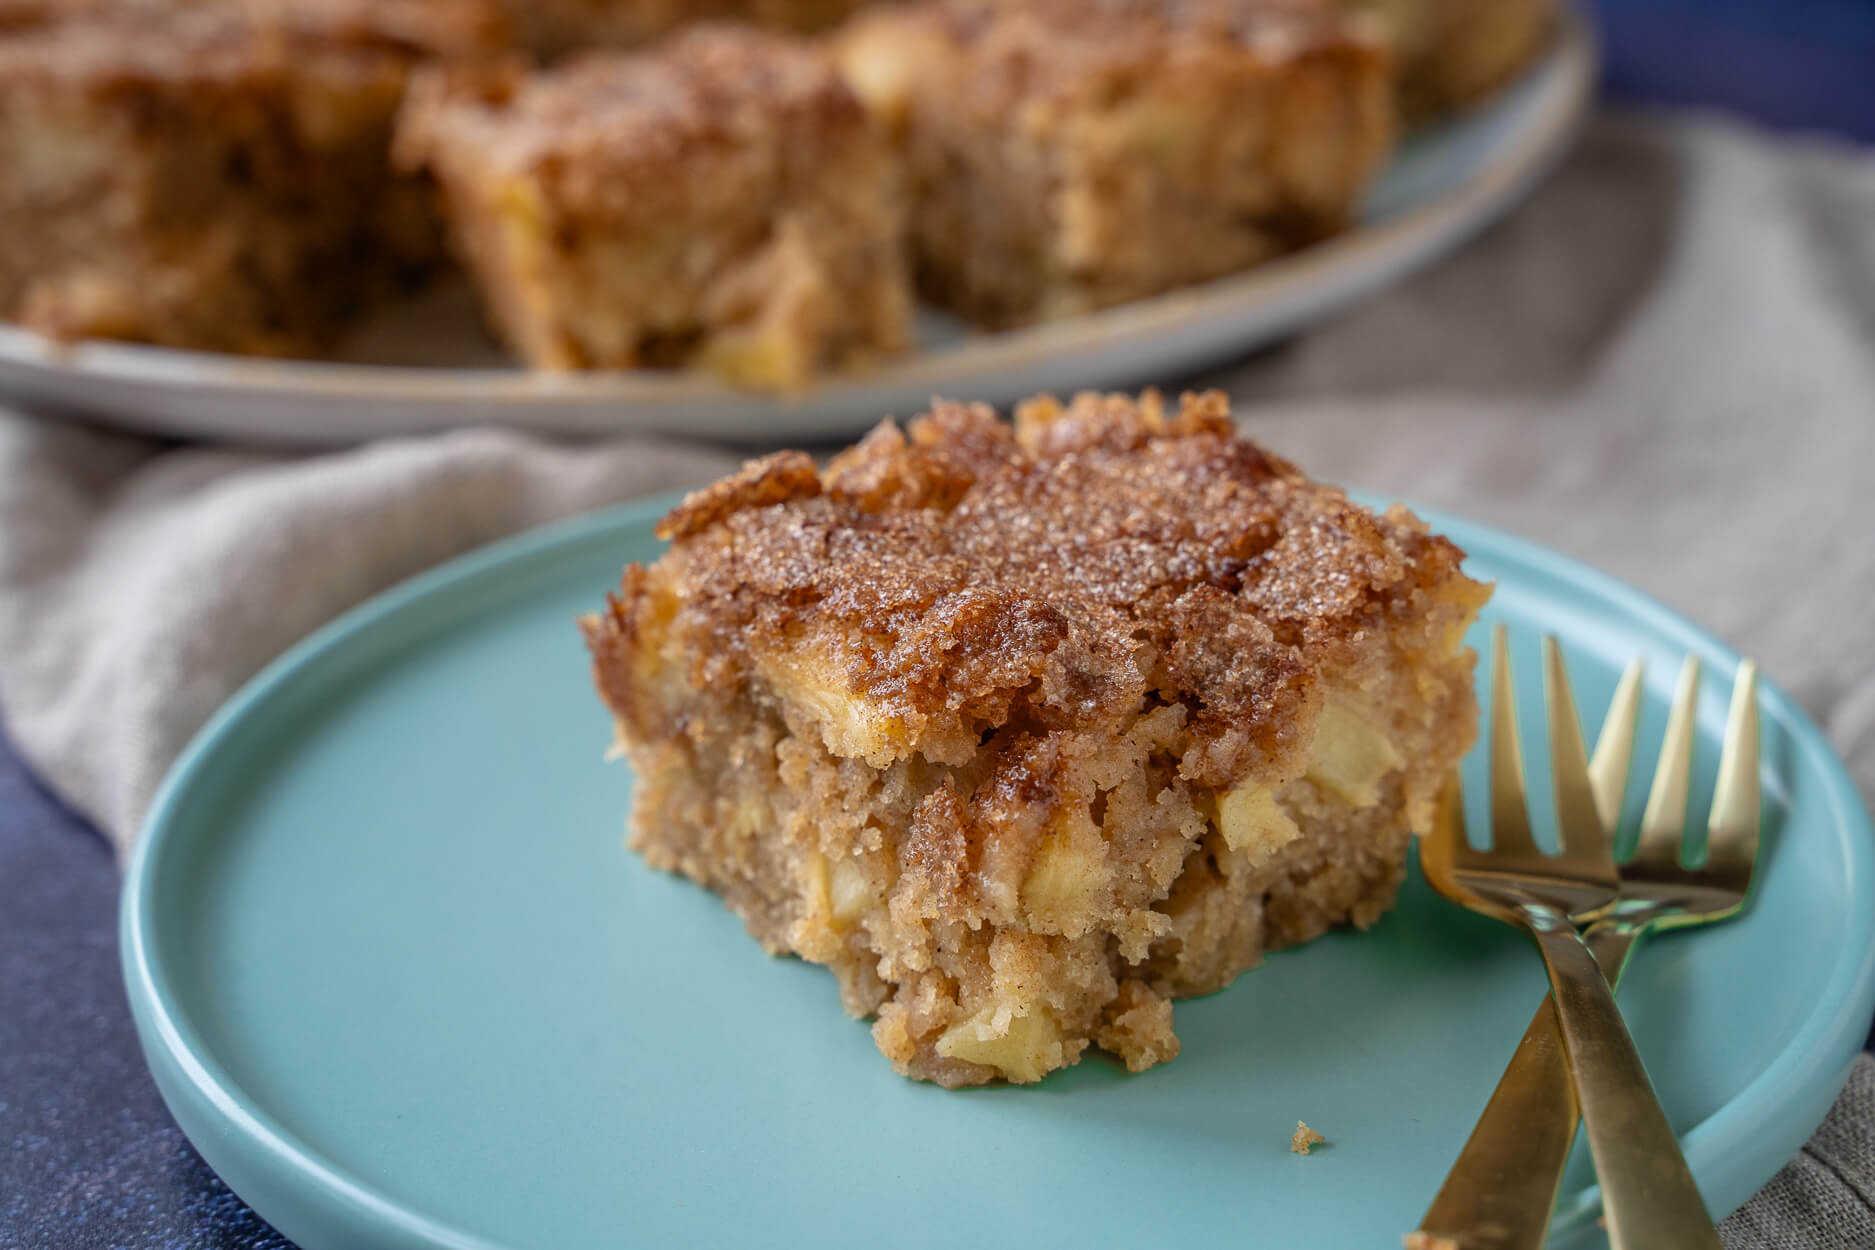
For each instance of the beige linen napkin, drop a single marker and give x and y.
(1663, 364)
(141, 584)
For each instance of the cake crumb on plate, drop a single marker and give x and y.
(1305, 1137)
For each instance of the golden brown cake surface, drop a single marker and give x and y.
(124, 46)
(1067, 156)
(434, 28)
(445, 29)
(1035, 561)
(1025, 731)
(595, 119)
(1076, 51)
(721, 200)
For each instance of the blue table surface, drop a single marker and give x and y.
(89, 1159)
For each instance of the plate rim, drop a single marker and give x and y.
(1309, 284)
(197, 1088)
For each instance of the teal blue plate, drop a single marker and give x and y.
(402, 986)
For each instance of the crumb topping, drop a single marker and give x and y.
(1279, 27)
(1100, 49)
(129, 43)
(603, 112)
(964, 572)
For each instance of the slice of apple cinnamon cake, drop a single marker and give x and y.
(1025, 731)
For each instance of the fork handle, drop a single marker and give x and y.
(1502, 1189)
(1648, 1193)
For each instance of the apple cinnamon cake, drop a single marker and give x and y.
(721, 200)
(1025, 731)
(202, 176)
(1066, 155)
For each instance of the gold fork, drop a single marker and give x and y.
(1648, 1193)
(1500, 1192)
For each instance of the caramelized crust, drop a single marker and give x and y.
(139, 45)
(604, 131)
(1071, 564)
(1076, 53)
(170, 34)
(1025, 731)
(556, 27)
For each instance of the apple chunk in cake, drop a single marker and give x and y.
(1025, 731)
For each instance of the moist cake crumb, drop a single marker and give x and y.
(1304, 1139)
(1027, 730)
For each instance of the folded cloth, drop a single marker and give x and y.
(1663, 364)
(141, 584)
(1824, 1199)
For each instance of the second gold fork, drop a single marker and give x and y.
(1500, 1192)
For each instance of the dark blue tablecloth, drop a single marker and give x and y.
(89, 1159)
(88, 1156)
(1802, 64)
